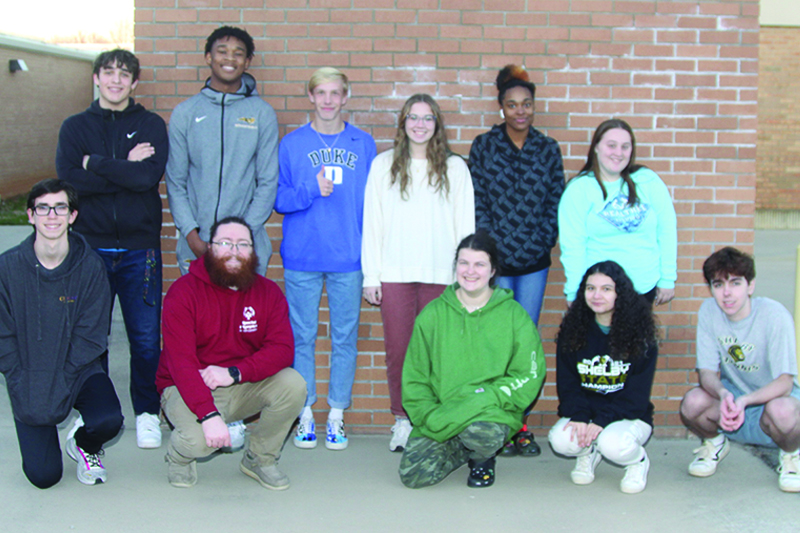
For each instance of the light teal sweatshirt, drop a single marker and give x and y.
(643, 238)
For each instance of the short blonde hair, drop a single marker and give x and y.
(325, 75)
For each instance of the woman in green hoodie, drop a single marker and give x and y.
(474, 363)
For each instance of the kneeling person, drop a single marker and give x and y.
(474, 364)
(228, 351)
(53, 333)
(747, 364)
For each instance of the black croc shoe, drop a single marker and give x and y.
(509, 449)
(481, 474)
(525, 444)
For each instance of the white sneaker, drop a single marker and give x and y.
(90, 468)
(635, 479)
(336, 439)
(236, 430)
(306, 436)
(707, 457)
(76, 424)
(583, 473)
(148, 431)
(789, 470)
(401, 430)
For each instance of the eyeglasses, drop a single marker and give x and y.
(43, 210)
(427, 119)
(228, 246)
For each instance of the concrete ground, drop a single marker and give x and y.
(358, 489)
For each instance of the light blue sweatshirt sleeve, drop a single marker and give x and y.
(573, 210)
(667, 233)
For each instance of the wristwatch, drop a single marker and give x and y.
(235, 374)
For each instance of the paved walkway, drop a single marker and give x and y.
(358, 489)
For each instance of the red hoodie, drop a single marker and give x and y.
(204, 324)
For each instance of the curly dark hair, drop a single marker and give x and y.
(512, 76)
(633, 326)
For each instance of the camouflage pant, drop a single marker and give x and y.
(426, 462)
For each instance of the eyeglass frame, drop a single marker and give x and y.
(229, 246)
(50, 208)
(424, 118)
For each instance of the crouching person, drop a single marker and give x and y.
(474, 364)
(605, 363)
(54, 316)
(228, 351)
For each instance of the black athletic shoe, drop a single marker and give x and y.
(481, 474)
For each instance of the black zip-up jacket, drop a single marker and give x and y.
(120, 206)
(516, 196)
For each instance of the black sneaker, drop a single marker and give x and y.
(509, 449)
(481, 474)
(525, 444)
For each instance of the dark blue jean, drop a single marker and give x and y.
(98, 404)
(135, 276)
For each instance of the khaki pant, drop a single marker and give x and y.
(278, 398)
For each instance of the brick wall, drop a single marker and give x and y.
(778, 159)
(34, 105)
(683, 73)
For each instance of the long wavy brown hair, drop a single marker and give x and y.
(437, 151)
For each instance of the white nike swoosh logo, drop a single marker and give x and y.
(130, 135)
(200, 119)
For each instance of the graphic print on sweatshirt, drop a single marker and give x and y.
(333, 160)
(736, 352)
(248, 325)
(602, 374)
(622, 216)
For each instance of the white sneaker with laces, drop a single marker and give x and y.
(401, 430)
(789, 470)
(90, 468)
(306, 436)
(148, 431)
(583, 473)
(236, 430)
(336, 439)
(708, 456)
(635, 479)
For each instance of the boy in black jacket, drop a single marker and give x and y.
(114, 154)
(54, 313)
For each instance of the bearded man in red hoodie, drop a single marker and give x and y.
(228, 351)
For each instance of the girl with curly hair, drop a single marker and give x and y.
(418, 205)
(605, 363)
(617, 210)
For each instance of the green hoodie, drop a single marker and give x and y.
(485, 366)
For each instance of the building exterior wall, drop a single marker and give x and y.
(778, 158)
(683, 73)
(34, 104)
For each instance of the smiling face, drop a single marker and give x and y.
(473, 271)
(420, 124)
(518, 109)
(116, 84)
(601, 294)
(613, 153)
(328, 98)
(234, 257)
(228, 61)
(732, 295)
(52, 226)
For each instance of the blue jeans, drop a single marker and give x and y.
(528, 290)
(99, 406)
(135, 276)
(303, 292)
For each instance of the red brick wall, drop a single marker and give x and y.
(683, 73)
(778, 159)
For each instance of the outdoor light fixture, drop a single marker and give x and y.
(15, 65)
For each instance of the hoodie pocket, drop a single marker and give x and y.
(39, 397)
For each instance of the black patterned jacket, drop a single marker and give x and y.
(516, 196)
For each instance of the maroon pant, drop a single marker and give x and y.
(400, 305)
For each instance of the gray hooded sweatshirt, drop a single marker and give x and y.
(223, 161)
(53, 328)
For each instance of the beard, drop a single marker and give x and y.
(241, 280)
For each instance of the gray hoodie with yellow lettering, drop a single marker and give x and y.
(223, 162)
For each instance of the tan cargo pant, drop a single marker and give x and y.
(278, 398)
